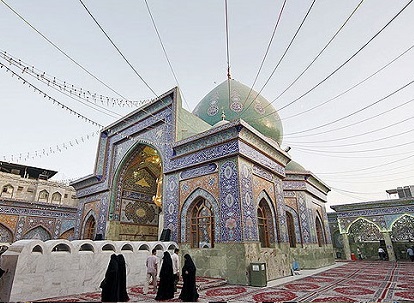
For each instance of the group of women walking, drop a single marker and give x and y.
(114, 284)
(166, 285)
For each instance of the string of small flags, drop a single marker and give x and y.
(45, 152)
(69, 88)
(46, 96)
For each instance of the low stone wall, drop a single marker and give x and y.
(39, 270)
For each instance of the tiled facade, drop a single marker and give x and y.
(232, 167)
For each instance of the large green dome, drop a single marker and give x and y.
(236, 103)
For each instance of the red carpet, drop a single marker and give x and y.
(360, 281)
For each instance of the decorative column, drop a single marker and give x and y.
(388, 244)
(347, 248)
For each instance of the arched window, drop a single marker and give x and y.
(56, 197)
(320, 232)
(7, 191)
(43, 196)
(202, 225)
(89, 231)
(291, 229)
(263, 224)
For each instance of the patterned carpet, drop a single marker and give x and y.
(360, 281)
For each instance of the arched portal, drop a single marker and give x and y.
(138, 202)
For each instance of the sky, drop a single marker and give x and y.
(341, 83)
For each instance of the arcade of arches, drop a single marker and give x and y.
(367, 226)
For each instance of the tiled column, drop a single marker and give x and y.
(388, 244)
(347, 249)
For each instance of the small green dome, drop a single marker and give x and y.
(236, 103)
(294, 166)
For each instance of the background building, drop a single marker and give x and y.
(367, 226)
(32, 206)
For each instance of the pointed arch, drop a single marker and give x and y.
(292, 225)
(199, 203)
(122, 167)
(56, 197)
(39, 232)
(7, 191)
(269, 208)
(43, 196)
(6, 235)
(363, 219)
(89, 226)
(68, 235)
(320, 231)
(402, 229)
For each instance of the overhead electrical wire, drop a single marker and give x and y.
(366, 168)
(118, 50)
(267, 50)
(72, 89)
(61, 51)
(357, 143)
(355, 112)
(344, 63)
(351, 88)
(356, 151)
(320, 53)
(359, 122)
(36, 89)
(358, 135)
(126, 60)
(283, 55)
(326, 154)
(89, 104)
(165, 52)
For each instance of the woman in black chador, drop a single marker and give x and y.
(166, 286)
(189, 290)
(123, 294)
(110, 285)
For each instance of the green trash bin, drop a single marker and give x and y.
(258, 274)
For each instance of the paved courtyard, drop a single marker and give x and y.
(359, 281)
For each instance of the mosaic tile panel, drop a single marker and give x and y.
(39, 233)
(206, 139)
(230, 217)
(304, 219)
(248, 203)
(170, 204)
(205, 155)
(209, 183)
(280, 208)
(9, 221)
(198, 171)
(20, 228)
(267, 148)
(66, 225)
(6, 235)
(267, 162)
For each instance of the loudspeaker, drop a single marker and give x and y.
(98, 237)
(165, 235)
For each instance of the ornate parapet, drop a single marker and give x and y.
(39, 270)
